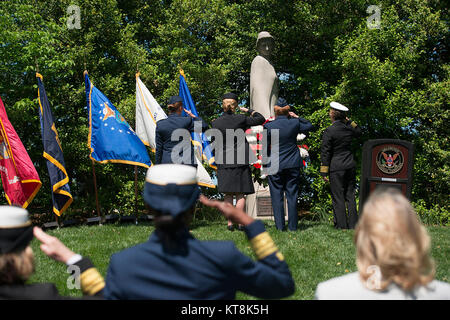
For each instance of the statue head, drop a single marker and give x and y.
(265, 44)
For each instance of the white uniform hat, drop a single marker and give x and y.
(16, 231)
(338, 106)
(171, 189)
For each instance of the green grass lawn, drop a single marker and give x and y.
(316, 252)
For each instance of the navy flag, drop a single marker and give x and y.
(59, 179)
(111, 138)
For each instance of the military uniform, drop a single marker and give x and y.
(338, 163)
(235, 176)
(289, 161)
(193, 269)
(164, 143)
(91, 282)
(16, 233)
(199, 269)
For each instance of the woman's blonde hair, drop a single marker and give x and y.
(16, 267)
(229, 105)
(390, 237)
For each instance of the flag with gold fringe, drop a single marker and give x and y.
(19, 176)
(111, 139)
(59, 179)
(148, 112)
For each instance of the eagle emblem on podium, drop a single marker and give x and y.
(390, 160)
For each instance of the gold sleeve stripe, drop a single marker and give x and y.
(280, 256)
(264, 246)
(353, 124)
(91, 281)
(324, 169)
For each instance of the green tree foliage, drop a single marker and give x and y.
(395, 79)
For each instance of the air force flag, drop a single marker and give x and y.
(111, 138)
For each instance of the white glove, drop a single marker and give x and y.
(304, 153)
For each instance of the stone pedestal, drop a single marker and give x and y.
(259, 204)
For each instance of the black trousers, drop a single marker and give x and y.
(285, 182)
(342, 185)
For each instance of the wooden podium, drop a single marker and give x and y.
(386, 163)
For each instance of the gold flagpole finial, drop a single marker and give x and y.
(182, 73)
(137, 70)
(38, 75)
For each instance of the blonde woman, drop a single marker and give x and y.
(17, 260)
(392, 255)
(233, 157)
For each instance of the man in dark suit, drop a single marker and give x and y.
(338, 163)
(178, 150)
(285, 162)
(172, 264)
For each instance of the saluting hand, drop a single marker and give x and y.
(243, 109)
(293, 115)
(230, 212)
(189, 113)
(52, 246)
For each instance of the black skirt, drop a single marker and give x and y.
(235, 180)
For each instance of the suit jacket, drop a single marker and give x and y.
(164, 143)
(238, 147)
(199, 269)
(336, 151)
(288, 155)
(91, 281)
(350, 287)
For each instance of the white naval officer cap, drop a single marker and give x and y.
(338, 106)
(13, 217)
(171, 189)
(16, 230)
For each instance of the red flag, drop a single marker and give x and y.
(19, 177)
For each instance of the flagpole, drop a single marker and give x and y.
(135, 190)
(136, 169)
(95, 187)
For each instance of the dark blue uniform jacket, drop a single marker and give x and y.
(199, 269)
(288, 154)
(164, 130)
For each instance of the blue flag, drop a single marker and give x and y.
(199, 140)
(61, 196)
(111, 138)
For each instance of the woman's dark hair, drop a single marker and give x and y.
(174, 107)
(339, 115)
(170, 228)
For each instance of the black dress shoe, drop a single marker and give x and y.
(231, 228)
